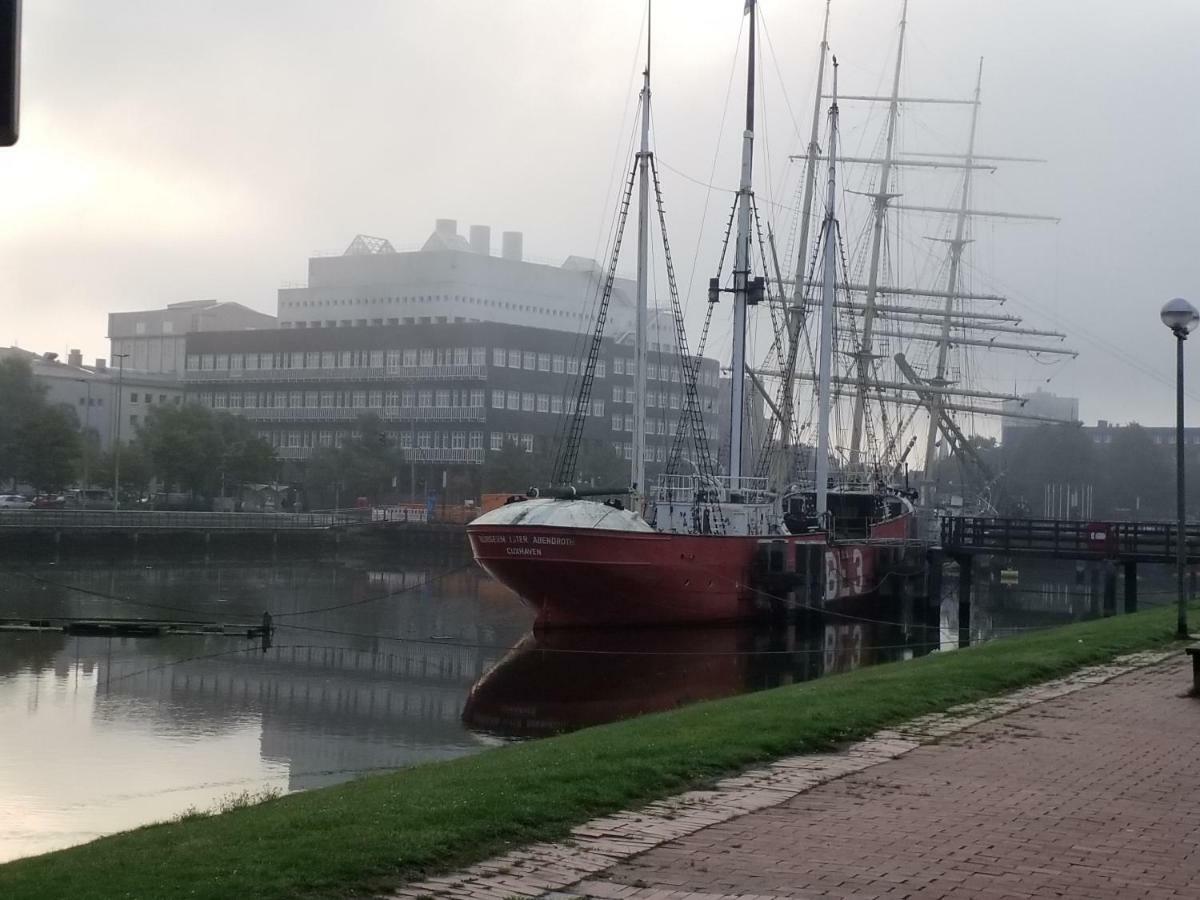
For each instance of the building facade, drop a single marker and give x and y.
(448, 394)
(1043, 405)
(153, 340)
(112, 402)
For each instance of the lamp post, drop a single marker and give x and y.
(87, 430)
(120, 357)
(1181, 317)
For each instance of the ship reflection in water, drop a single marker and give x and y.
(559, 681)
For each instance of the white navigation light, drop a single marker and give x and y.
(1179, 315)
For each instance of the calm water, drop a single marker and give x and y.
(424, 659)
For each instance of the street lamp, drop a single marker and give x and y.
(120, 357)
(1181, 317)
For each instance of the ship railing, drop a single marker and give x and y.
(687, 489)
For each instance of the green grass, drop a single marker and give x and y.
(366, 835)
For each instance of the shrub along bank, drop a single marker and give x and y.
(366, 835)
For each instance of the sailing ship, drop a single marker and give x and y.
(694, 547)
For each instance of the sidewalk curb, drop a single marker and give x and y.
(548, 869)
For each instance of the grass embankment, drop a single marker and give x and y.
(365, 835)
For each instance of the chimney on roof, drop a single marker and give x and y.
(50, 356)
(510, 245)
(481, 240)
(101, 364)
(75, 358)
(447, 228)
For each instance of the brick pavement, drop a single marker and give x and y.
(1093, 795)
(1081, 787)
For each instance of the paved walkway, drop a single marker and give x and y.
(1086, 787)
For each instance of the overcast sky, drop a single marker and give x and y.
(173, 151)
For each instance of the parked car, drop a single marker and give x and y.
(88, 498)
(15, 501)
(49, 501)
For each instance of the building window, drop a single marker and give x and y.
(133, 420)
(600, 369)
(514, 359)
(497, 399)
(442, 400)
(557, 363)
(628, 451)
(133, 397)
(618, 393)
(598, 408)
(423, 440)
(406, 440)
(629, 423)
(651, 372)
(514, 400)
(543, 362)
(475, 441)
(630, 396)
(572, 365)
(530, 361)
(376, 359)
(497, 440)
(556, 404)
(617, 421)
(425, 399)
(458, 440)
(618, 366)
(462, 356)
(375, 399)
(527, 443)
(410, 357)
(527, 401)
(674, 401)
(477, 399)
(498, 356)
(479, 356)
(543, 403)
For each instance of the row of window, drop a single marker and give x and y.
(337, 359)
(649, 454)
(658, 399)
(441, 399)
(431, 298)
(655, 426)
(405, 440)
(147, 398)
(555, 363)
(543, 403)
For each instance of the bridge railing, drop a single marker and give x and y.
(1068, 538)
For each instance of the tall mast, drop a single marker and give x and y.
(638, 473)
(828, 291)
(741, 268)
(880, 205)
(956, 248)
(796, 311)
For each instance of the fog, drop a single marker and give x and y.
(180, 151)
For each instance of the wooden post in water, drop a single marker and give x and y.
(1131, 597)
(964, 600)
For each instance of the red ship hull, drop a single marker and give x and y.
(595, 577)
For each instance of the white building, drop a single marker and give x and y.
(453, 279)
(92, 392)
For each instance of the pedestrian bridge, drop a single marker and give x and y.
(1128, 542)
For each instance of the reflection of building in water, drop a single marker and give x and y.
(325, 711)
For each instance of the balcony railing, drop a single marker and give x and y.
(443, 455)
(349, 414)
(357, 373)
